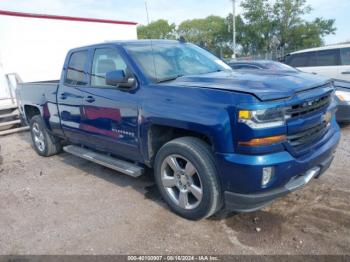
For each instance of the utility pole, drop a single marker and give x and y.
(146, 7)
(233, 28)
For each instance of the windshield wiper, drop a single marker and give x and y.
(170, 78)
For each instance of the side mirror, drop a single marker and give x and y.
(119, 78)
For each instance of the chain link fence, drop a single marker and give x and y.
(275, 55)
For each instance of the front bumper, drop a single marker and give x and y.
(241, 174)
(252, 202)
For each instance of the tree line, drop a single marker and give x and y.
(264, 26)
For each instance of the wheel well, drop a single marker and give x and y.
(158, 135)
(31, 111)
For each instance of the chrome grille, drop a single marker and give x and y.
(305, 137)
(314, 105)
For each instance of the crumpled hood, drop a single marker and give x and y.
(264, 84)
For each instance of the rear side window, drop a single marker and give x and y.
(298, 60)
(75, 70)
(345, 56)
(327, 57)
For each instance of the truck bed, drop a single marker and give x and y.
(37, 93)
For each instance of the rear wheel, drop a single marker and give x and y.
(186, 176)
(44, 143)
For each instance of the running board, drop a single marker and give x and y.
(105, 160)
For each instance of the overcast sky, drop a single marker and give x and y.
(174, 11)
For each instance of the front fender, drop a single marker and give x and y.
(209, 122)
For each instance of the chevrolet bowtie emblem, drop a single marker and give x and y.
(327, 117)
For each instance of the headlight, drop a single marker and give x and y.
(343, 95)
(263, 118)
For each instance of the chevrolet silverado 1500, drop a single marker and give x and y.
(214, 137)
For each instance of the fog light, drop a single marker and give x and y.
(267, 173)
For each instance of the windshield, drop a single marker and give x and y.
(167, 61)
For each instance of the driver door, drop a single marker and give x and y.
(110, 113)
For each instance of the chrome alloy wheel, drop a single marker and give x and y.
(181, 181)
(38, 136)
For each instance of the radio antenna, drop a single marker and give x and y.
(154, 60)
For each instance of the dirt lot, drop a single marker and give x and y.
(66, 205)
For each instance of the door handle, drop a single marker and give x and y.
(346, 73)
(63, 96)
(90, 99)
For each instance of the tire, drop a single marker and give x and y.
(191, 172)
(44, 143)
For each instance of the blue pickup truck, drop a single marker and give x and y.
(215, 138)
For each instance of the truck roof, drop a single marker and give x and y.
(131, 42)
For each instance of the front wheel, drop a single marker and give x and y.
(44, 143)
(186, 176)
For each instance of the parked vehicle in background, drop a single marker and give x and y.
(342, 95)
(331, 61)
(260, 64)
(214, 137)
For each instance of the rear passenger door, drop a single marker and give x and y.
(70, 96)
(344, 68)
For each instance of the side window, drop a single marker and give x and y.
(75, 71)
(327, 57)
(288, 59)
(312, 59)
(345, 56)
(298, 60)
(105, 60)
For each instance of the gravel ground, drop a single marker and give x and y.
(66, 205)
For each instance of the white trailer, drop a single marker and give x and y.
(33, 46)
